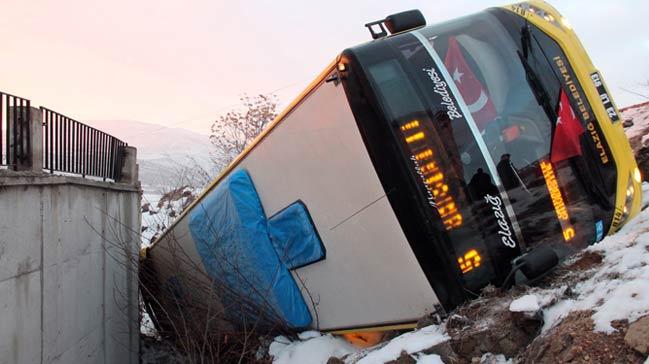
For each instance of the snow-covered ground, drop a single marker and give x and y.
(617, 289)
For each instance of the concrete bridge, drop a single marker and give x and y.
(69, 240)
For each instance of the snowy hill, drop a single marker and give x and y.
(162, 151)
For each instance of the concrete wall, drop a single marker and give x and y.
(66, 295)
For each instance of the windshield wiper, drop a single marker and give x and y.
(540, 93)
(526, 39)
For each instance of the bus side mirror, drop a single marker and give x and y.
(395, 23)
(538, 262)
(534, 265)
(405, 20)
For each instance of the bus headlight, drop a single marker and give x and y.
(628, 203)
(566, 24)
(545, 15)
(548, 17)
(637, 176)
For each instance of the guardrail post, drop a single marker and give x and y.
(32, 140)
(129, 172)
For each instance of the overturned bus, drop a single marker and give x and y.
(415, 170)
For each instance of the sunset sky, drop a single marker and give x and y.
(182, 63)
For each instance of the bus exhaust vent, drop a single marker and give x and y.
(396, 23)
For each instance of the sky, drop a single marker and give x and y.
(184, 63)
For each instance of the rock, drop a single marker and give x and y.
(404, 358)
(529, 322)
(627, 123)
(445, 351)
(487, 326)
(430, 319)
(458, 322)
(574, 341)
(334, 360)
(637, 336)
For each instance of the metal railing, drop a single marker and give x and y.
(73, 147)
(15, 138)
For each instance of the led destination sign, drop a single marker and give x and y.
(557, 200)
(428, 168)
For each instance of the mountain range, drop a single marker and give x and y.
(167, 157)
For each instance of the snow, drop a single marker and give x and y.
(163, 210)
(310, 350)
(527, 303)
(553, 315)
(618, 289)
(309, 335)
(315, 348)
(494, 359)
(147, 327)
(410, 342)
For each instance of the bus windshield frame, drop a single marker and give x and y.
(492, 189)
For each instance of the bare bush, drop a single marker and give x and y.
(208, 319)
(191, 173)
(232, 132)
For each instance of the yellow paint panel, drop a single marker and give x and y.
(583, 68)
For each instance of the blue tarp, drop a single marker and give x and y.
(294, 237)
(232, 237)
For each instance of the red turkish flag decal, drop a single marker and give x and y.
(565, 143)
(474, 94)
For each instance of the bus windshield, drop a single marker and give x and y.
(496, 138)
